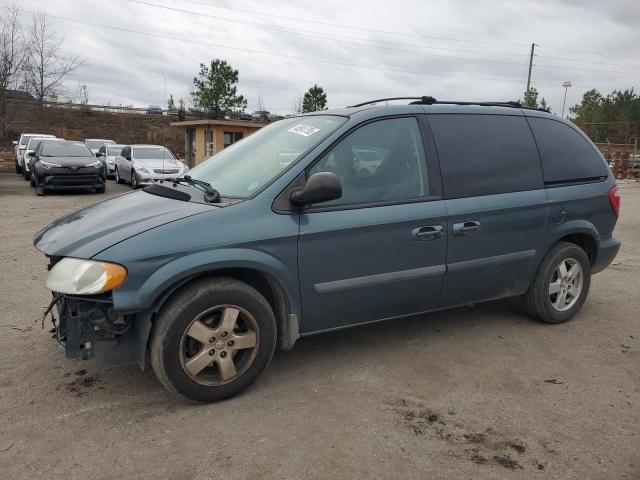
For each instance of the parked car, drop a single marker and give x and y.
(260, 116)
(32, 144)
(142, 165)
(154, 110)
(64, 165)
(21, 145)
(209, 274)
(94, 144)
(110, 152)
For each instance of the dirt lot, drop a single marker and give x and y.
(472, 393)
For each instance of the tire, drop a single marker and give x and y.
(32, 180)
(18, 167)
(134, 180)
(100, 189)
(25, 174)
(118, 178)
(40, 191)
(539, 303)
(172, 350)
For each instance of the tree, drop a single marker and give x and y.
(215, 90)
(315, 99)
(182, 111)
(46, 67)
(171, 105)
(588, 108)
(297, 105)
(13, 53)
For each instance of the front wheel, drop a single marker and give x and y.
(213, 339)
(560, 286)
(134, 180)
(118, 178)
(18, 167)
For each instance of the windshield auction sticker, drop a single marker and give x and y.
(304, 130)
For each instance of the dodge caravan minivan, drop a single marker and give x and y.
(204, 276)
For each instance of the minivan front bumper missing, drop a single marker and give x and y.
(85, 324)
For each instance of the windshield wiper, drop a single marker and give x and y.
(211, 195)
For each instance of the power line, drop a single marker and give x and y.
(320, 35)
(602, 54)
(354, 27)
(393, 69)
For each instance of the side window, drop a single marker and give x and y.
(382, 161)
(485, 154)
(126, 151)
(566, 155)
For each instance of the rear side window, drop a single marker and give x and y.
(566, 155)
(485, 154)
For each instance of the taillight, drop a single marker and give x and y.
(614, 200)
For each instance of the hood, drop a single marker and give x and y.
(88, 231)
(157, 163)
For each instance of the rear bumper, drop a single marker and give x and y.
(607, 251)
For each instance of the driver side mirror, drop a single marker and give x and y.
(31, 154)
(128, 157)
(15, 142)
(321, 187)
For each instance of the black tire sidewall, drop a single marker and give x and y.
(179, 313)
(542, 301)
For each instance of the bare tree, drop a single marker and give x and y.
(46, 67)
(13, 54)
(297, 104)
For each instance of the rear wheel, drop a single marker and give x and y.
(213, 339)
(560, 286)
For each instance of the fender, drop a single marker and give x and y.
(557, 231)
(144, 296)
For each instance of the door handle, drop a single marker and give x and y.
(431, 232)
(466, 228)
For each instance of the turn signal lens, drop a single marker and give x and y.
(76, 276)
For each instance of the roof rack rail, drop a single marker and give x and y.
(427, 100)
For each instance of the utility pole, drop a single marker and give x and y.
(533, 46)
(566, 86)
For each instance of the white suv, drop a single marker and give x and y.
(21, 146)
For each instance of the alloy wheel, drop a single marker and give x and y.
(219, 345)
(134, 181)
(566, 284)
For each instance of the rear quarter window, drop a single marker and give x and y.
(485, 154)
(566, 155)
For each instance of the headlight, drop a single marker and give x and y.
(48, 165)
(84, 277)
(96, 164)
(142, 169)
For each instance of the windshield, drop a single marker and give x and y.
(114, 151)
(151, 153)
(64, 149)
(95, 144)
(26, 138)
(246, 166)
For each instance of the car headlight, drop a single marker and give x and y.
(84, 277)
(142, 169)
(96, 164)
(48, 165)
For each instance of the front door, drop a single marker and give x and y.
(379, 251)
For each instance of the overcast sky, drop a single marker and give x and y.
(356, 49)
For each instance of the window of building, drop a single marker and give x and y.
(485, 154)
(231, 137)
(383, 161)
(208, 142)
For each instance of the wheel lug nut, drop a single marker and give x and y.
(223, 354)
(230, 343)
(212, 339)
(212, 352)
(224, 334)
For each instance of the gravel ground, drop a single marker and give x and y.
(471, 393)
